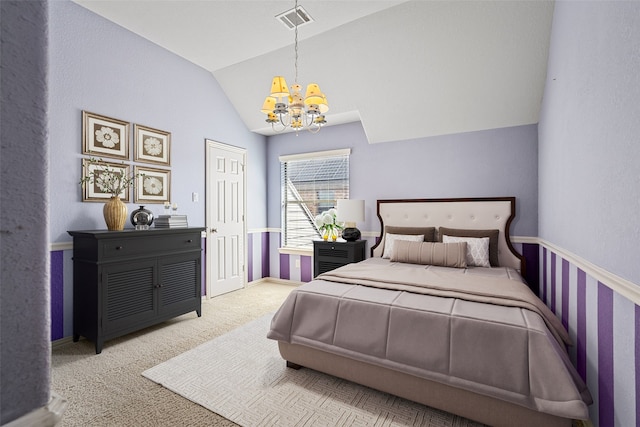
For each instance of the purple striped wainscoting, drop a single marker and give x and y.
(581, 327)
(297, 268)
(250, 257)
(258, 258)
(530, 252)
(552, 291)
(565, 293)
(306, 268)
(605, 355)
(637, 359)
(264, 255)
(284, 266)
(203, 267)
(57, 295)
(543, 293)
(605, 328)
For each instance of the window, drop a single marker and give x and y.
(310, 183)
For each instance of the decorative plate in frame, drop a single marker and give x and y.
(152, 145)
(152, 185)
(93, 192)
(104, 136)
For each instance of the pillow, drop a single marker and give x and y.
(430, 253)
(477, 249)
(390, 239)
(428, 232)
(491, 234)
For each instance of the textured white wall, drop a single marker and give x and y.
(589, 135)
(24, 285)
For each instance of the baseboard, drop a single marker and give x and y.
(47, 416)
(61, 341)
(257, 282)
(274, 280)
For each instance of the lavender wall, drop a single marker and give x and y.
(24, 303)
(589, 195)
(497, 162)
(589, 135)
(100, 67)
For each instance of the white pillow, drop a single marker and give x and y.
(477, 249)
(389, 239)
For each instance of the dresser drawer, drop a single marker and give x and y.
(331, 255)
(117, 248)
(333, 250)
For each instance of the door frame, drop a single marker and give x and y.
(210, 147)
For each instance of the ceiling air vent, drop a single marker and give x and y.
(294, 16)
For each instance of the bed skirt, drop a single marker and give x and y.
(477, 407)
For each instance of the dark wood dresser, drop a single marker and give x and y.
(124, 281)
(328, 255)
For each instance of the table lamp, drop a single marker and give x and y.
(349, 212)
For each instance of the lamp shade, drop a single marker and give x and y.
(313, 95)
(279, 87)
(269, 105)
(350, 210)
(324, 106)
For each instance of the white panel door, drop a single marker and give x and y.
(225, 218)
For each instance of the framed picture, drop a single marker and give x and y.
(152, 185)
(152, 145)
(94, 189)
(104, 136)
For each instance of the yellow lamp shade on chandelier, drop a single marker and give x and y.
(288, 109)
(315, 98)
(279, 87)
(294, 111)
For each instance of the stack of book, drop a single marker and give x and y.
(171, 221)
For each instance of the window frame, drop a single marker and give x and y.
(318, 155)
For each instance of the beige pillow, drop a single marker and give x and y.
(390, 240)
(429, 253)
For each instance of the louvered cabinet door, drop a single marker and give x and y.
(128, 296)
(179, 284)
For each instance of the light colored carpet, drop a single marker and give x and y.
(242, 377)
(107, 390)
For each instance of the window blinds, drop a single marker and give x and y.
(310, 184)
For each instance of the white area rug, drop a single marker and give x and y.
(242, 377)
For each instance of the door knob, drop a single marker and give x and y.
(214, 230)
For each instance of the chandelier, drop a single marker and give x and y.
(285, 110)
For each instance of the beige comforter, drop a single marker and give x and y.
(477, 329)
(468, 284)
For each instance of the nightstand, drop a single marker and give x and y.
(329, 255)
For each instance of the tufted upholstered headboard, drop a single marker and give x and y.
(469, 213)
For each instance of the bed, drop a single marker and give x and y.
(440, 315)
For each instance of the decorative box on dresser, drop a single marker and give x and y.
(124, 281)
(329, 255)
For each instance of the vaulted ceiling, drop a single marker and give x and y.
(405, 69)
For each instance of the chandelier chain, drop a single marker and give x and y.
(296, 44)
